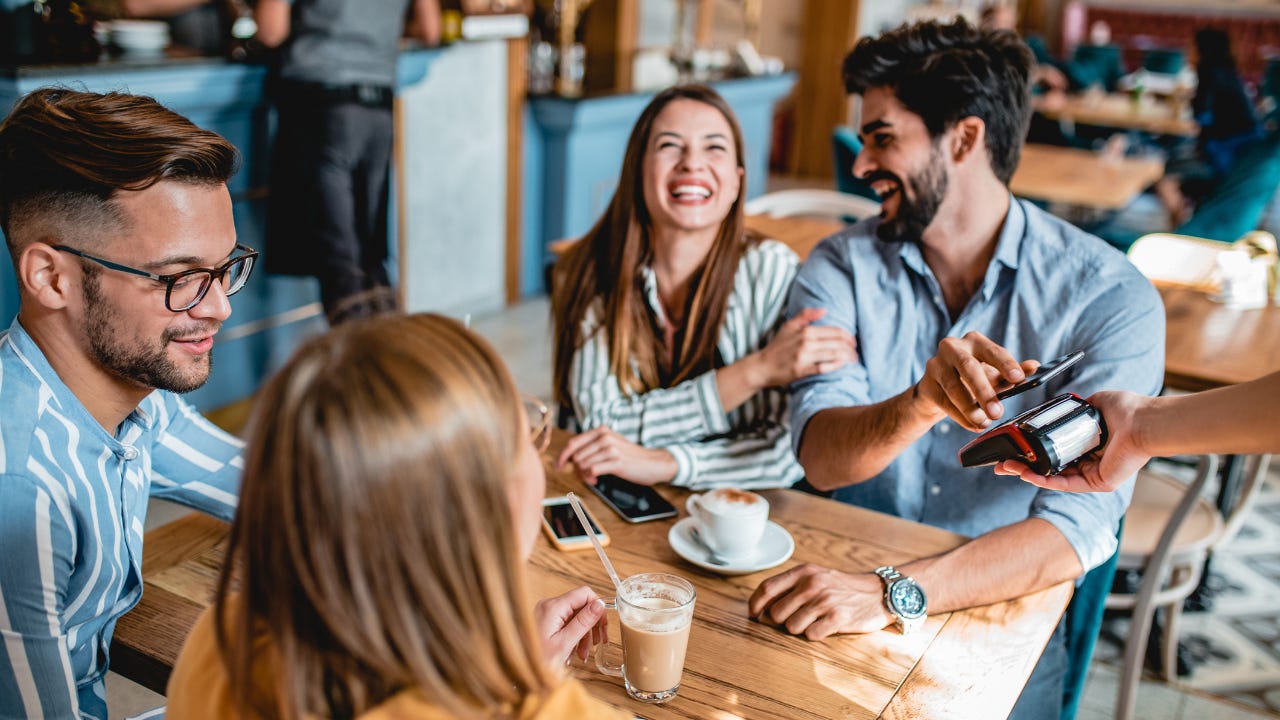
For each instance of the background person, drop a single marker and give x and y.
(1239, 419)
(668, 347)
(957, 288)
(119, 223)
(333, 87)
(369, 589)
(1227, 122)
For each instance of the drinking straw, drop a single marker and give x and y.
(582, 518)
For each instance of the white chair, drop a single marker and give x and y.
(1178, 260)
(1169, 531)
(825, 203)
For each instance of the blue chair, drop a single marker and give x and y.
(1236, 204)
(846, 146)
(1168, 61)
(1095, 65)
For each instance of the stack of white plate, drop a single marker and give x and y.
(140, 36)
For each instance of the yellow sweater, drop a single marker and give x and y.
(199, 690)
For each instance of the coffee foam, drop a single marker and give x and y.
(732, 501)
(654, 607)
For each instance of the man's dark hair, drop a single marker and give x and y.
(64, 154)
(947, 72)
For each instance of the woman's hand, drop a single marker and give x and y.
(801, 349)
(571, 624)
(601, 451)
(1122, 456)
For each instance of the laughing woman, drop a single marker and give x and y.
(670, 349)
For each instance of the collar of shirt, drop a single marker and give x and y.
(138, 421)
(1008, 247)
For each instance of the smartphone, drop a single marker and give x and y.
(563, 528)
(1042, 375)
(635, 503)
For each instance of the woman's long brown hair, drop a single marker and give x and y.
(374, 542)
(606, 265)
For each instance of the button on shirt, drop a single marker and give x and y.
(1049, 290)
(73, 498)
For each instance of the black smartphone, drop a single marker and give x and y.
(1042, 375)
(635, 503)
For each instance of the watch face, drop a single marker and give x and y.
(907, 599)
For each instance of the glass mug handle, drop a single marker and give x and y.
(601, 663)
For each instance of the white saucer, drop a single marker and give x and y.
(775, 547)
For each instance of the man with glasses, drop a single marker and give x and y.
(118, 220)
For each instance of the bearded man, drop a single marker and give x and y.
(118, 221)
(955, 292)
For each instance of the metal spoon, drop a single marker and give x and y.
(712, 556)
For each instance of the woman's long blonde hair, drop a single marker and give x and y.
(605, 266)
(374, 543)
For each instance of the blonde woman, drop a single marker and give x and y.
(670, 347)
(390, 503)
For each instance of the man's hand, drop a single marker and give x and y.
(818, 602)
(961, 380)
(801, 349)
(1122, 456)
(571, 623)
(601, 451)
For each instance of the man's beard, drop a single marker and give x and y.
(917, 208)
(146, 366)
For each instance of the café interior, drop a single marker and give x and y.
(509, 136)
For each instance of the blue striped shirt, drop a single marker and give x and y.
(73, 498)
(749, 447)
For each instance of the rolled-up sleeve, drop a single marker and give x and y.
(823, 282)
(1122, 332)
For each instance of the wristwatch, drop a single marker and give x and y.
(903, 598)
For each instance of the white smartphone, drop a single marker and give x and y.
(561, 525)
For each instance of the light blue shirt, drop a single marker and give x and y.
(1050, 289)
(73, 498)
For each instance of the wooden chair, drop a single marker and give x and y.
(1169, 532)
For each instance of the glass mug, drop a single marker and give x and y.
(655, 611)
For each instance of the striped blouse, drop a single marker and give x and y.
(73, 498)
(748, 447)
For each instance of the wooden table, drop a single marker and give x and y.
(969, 664)
(802, 234)
(1081, 177)
(1208, 345)
(1118, 110)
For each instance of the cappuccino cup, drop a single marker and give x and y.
(656, 613)
(730, 521)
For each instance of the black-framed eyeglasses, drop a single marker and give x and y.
(186, 289)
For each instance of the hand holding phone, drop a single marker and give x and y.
(1042, 375)
(562, 527)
